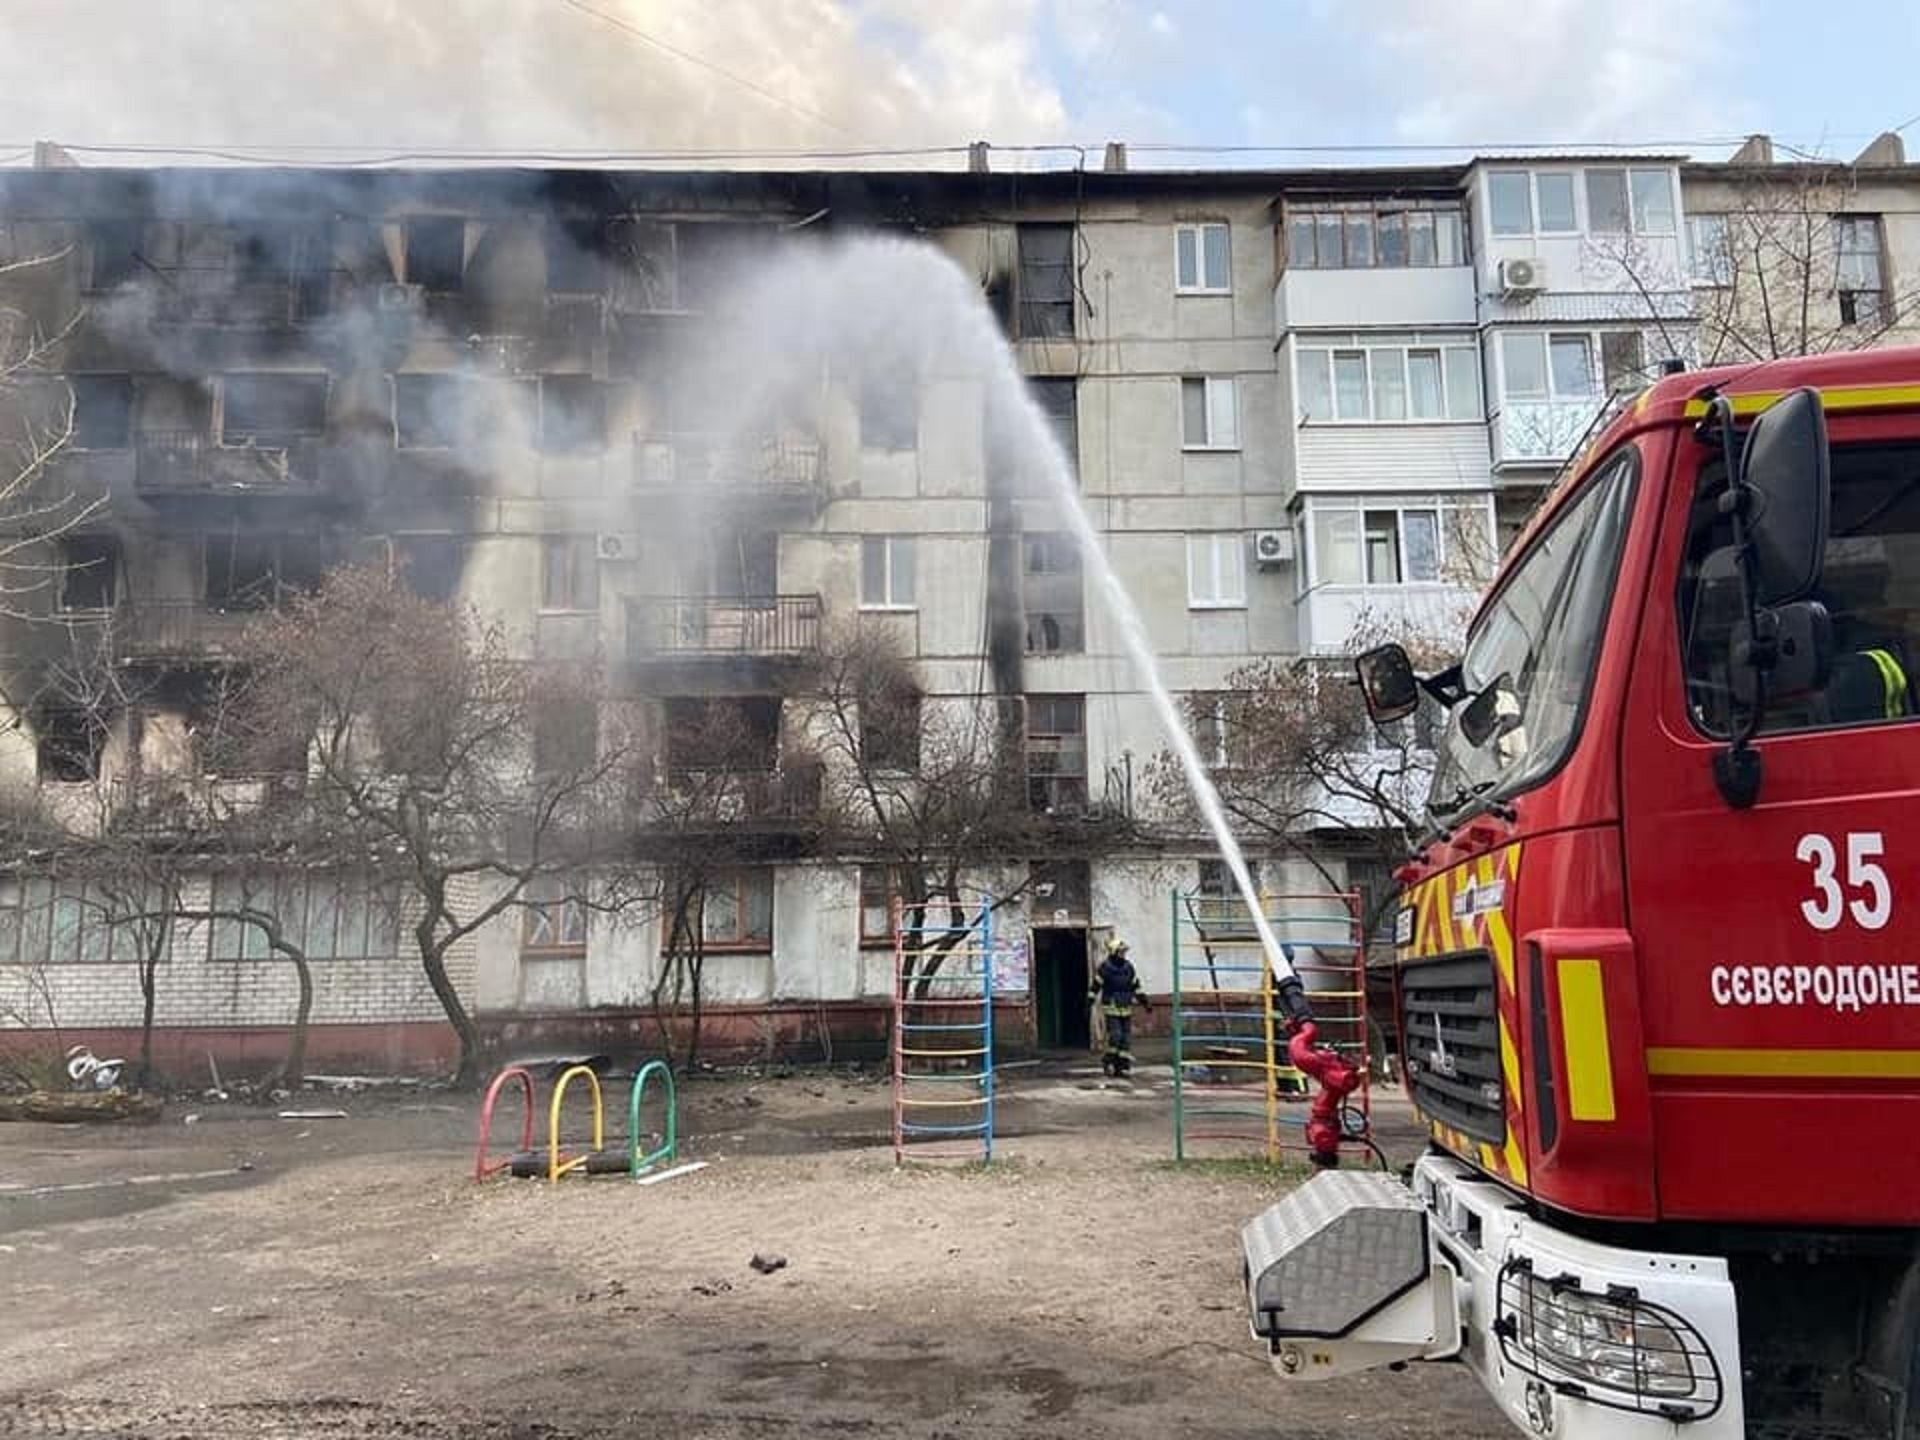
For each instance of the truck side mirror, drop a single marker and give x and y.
(1786, 471)
(1387, 683)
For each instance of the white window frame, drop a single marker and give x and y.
(1204, 283)
(1533, 218)
(1579, 200)
(1582, 214)
(1705, 269)
(1359, 505)
(1209, 382)
(1220, 559)
(1553, 394)
(1442, 341)
(890, 601)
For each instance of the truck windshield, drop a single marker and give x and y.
(1529, 660)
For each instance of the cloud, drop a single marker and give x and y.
(1162, 23)
(526, 74)
(1501, 70)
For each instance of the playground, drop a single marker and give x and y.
(355, 1281)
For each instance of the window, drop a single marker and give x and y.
(1201, 260)
(428, 411)
(1510, 201)
(736, 911)
(1608, 212)
(1710, 250)
(102, 411)
(886, 572)
(272, 411)
(68, 922)
(1209, 414)
(576, 264)
(1045, 280)
(436, 252)
(69, 744)
(1057, 752)
(890, 408)
(1062, 891)
(890, 730)
(1553, 190)
(566, 734)
(242, 572)
(329, 916)
(1860, 280)
(569, 573)
(1053, 596)
(89, 572)
(1367, 236)
(573, 415)
(722, 733)
(1623, 363)
(1057, 401)
(1220, 733)
(1389, 379)
(1216, 571)
(431, 565)
(877, 889)
(1216, 880)
(1652, 195)
(1538, 366)
(113, 251)
(1404, 544)
(551, 921)
(1869, 584)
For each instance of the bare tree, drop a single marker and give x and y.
(421, 729)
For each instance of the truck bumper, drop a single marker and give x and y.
(1570, 1338)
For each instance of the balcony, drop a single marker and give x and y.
(177, 630)
(1541, 432)
(756, 466)
(238, 299)
(1334, 617)
(1415, 297)
(186, 462)
(676, 626)
(693, 798)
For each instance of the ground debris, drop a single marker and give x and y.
(766, 1262)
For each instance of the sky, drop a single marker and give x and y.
(363, 78)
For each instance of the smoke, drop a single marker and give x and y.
(527, 74)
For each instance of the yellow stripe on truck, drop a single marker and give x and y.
(1784, 1064)
(1834, 397)
(1583, 1026)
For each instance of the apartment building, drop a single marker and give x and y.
(1300, 407)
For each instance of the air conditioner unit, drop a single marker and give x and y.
(1272, 548)
(1522, 275)
(614, 547)
(402, 299)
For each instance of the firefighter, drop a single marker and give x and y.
(1116, 989)
(1871, 677)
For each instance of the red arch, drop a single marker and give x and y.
(482, 1167)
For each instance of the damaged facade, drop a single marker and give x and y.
(1290, 400)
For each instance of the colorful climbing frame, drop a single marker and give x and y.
(943, 1031)
(1233, 1090)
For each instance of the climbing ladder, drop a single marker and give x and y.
(943, 1032)
(1233, 1089)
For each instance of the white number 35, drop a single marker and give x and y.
(1872, 902)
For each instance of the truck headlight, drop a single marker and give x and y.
(1615, 1348)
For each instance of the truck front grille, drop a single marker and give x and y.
(1450, 1035)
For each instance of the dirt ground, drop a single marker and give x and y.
(352, 1281)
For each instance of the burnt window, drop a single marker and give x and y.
(431, 565)
(1016, 455)
(1053, 595)
(89, 572)
(1056, 401)
(569, 573)
(428, 411)
(437, 252)
(263, 252)
(1045, 280)
(566, 735)
(728, 733)
(890, 729)
(744, 566)
(272, 410)
(113, 252)
(102, 411)
(247, 572)
(69, 745)
(576, 261)
(573, 415)
(1057, 752)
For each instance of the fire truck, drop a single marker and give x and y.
(1658, 961)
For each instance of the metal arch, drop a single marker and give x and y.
(482, 1167)
(556, 1167)
(669, 1133)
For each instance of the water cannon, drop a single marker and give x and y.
(1335, 1075)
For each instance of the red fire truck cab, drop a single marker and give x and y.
(1659, 962)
